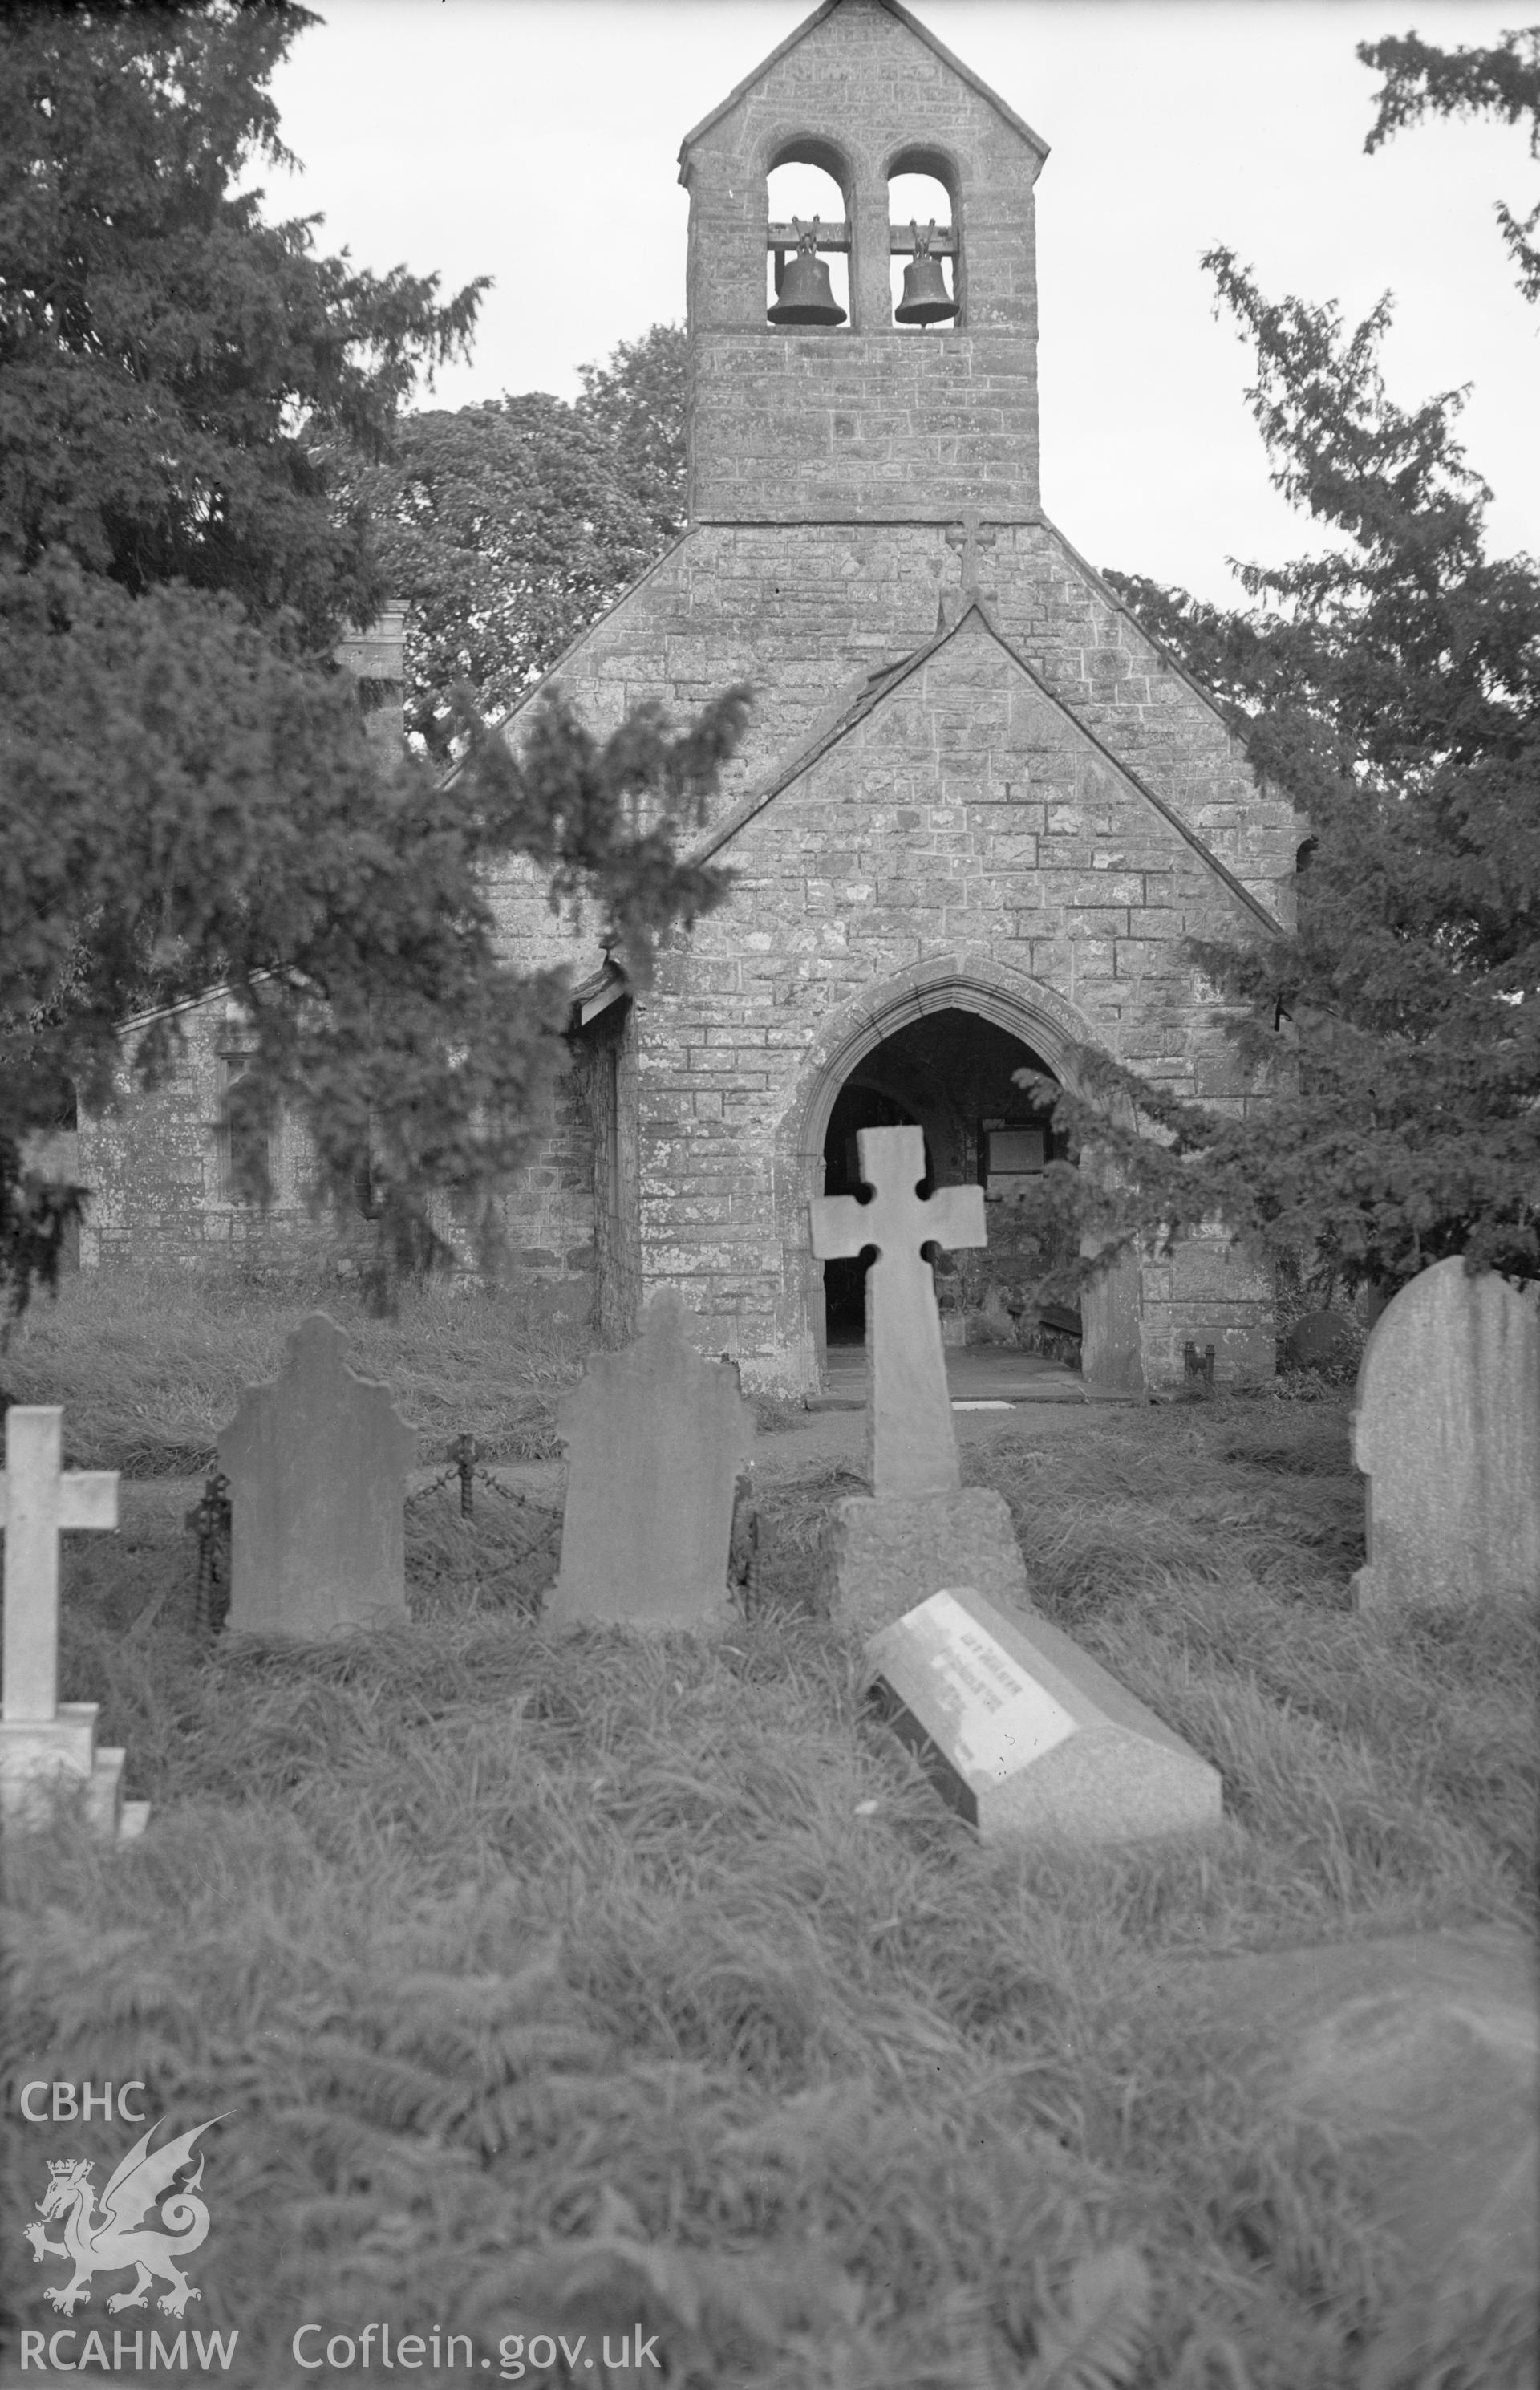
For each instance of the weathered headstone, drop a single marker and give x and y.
(1111, 1353)
(42, 1739)
(919, 1528)
(1028, 1737)
(317, 1465)
(1446, 1428)
(655, 1437)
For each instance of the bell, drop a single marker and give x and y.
(926, 298)
(806, 295)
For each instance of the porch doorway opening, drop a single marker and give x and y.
(951, 1076)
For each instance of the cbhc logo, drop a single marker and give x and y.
(65, 2107)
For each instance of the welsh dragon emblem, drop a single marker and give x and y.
(117, 2238)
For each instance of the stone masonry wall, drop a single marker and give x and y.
(821, 425)
(966, 821)
(805, 615)
(868, 419)
(972, 839)
(156, 1169)
(160, 1193)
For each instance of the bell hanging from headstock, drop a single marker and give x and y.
(926, 297)
(806, 295)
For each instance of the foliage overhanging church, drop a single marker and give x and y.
(977, 812)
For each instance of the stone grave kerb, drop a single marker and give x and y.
(317, 1461)
(655, 1437)
(912, 1444)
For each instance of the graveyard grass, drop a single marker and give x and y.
(560, 1987)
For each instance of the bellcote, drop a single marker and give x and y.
(872, 417)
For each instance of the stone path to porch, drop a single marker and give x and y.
(975, 1373)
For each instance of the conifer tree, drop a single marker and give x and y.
(513, 524)
(1390, 685)
(187, 794)
(1501, 81)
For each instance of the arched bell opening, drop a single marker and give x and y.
(807, 240)
(951, 1074)
(925, 263)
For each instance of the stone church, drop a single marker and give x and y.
(977, 811)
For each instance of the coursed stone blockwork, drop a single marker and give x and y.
(971, 781)
(972, 787)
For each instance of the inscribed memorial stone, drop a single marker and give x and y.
(1446, 1428)
(1028, 1737)
(655, 1439)
(912, 1442)
(317, 1467)
(919, 1526)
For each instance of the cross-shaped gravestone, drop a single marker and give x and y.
(42, 1739)
(37, 1499)
(913, 1446)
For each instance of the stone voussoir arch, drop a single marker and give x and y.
(966, 981)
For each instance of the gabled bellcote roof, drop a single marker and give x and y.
(911, 24)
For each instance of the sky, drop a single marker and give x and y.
(537, 141)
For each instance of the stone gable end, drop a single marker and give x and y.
(967, 806)
(975, 816)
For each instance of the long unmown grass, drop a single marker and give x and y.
(150, 1366)
(572, 1985)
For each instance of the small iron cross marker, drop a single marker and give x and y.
(912, 1445)
(36, 1501)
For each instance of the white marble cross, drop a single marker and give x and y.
(913, 1443)
(37, 1499)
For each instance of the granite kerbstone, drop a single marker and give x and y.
(1030, 1737)
(1446, 1429)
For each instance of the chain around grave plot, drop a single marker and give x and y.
(208, 1522)
(463, 1455)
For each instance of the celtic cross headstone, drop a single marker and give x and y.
(912, 1445)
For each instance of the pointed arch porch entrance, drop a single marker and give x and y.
(937, 1046)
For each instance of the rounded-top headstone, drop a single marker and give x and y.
(655, 1439)
(1446, 1428)
(317, 1467)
